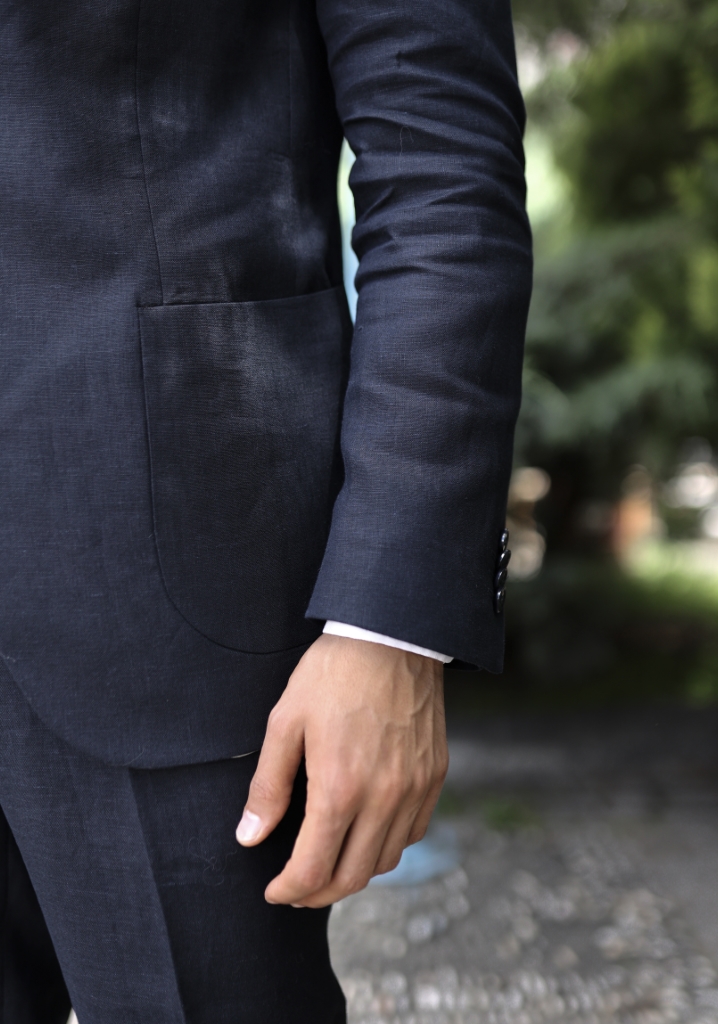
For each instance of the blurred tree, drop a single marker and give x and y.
(622, 341)
(540, 19)
(633, 126)
(622, 345)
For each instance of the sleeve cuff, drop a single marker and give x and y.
(357, 633)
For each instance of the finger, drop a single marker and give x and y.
(316, 849)
(271, 788)
(356, 862)
(423, 817)
(396, 839)
(408, 828)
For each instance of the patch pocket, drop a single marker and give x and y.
(243, 407)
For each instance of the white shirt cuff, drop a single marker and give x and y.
(357, 633)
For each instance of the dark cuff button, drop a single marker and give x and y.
(499, 598)
(504, 559)
(504, 542)
(500, 578)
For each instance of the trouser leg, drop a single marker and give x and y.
(238, 959)
(32, 989)
(155, 912)
(75, 823)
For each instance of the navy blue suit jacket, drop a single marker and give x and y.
(199, 462)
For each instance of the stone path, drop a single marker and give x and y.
(587, 888)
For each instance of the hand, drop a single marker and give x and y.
(369, 720)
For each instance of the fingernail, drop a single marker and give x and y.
(249, 827)
(299, 906)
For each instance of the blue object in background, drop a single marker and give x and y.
(436, 854)
(347, 219)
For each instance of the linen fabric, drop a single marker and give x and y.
(150, 910)
(200, 461)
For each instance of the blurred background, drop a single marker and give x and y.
(572, 869)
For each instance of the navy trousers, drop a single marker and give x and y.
(124, 893)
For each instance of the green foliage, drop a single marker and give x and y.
(584, 18)
(586, 621)
(617, 369)
(508, 815)
(702, 288)
(585, 635)
(622, 348)
(622, 342)
(632, 131)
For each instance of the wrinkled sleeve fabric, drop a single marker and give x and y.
(428, 97)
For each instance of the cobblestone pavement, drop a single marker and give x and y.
(586, 890)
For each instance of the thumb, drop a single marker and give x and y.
(271, 788)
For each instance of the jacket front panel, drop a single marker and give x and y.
(164, 208)
(178, 409)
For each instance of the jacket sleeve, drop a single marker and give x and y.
(427, 94)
